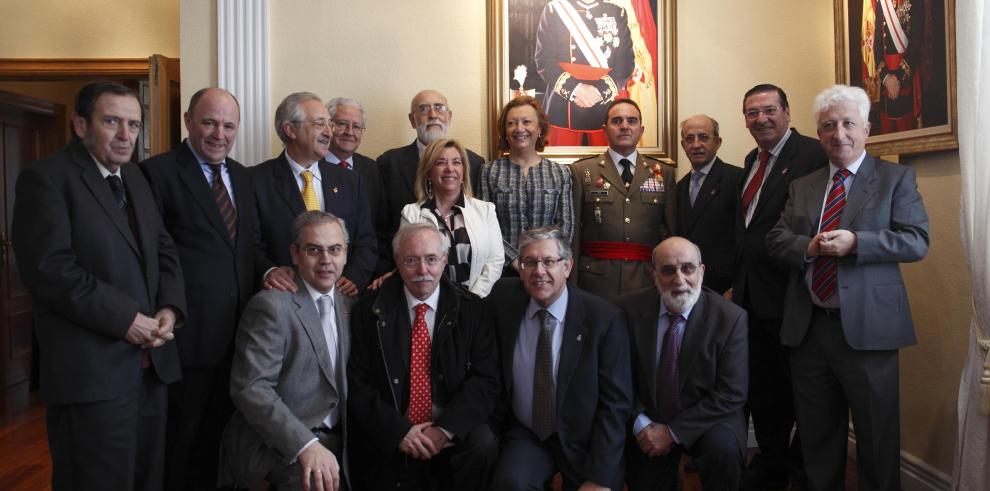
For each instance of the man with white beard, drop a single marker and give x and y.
(430, 116)
(686, 336)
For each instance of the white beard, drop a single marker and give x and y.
(681, 301)
(427, 135)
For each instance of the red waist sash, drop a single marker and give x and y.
(617, 250)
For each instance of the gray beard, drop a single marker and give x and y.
(680, 303)
(427, 136)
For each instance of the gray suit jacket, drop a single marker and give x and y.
(884, 209)
(281, 382)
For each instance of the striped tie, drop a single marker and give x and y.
(227, 211)
(823, 276)
(309, 192)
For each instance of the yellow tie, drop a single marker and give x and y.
(309, 194)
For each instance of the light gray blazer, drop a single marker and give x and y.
(282, 383)
(885, 210)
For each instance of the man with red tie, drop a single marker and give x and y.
(781, 156)
(423, 376)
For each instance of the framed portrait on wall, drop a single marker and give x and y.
(577, 56)
(902, 52)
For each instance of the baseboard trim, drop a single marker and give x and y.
(915, 474)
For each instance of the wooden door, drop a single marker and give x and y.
(165, 106)
(29, 129)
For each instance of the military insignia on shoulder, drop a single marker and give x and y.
(587, 176)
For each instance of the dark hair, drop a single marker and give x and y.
(616, 102)
(201, 92)
(87, 96)
(524, 100)
(761, 88)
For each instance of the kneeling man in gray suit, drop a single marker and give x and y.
(844, 232)
(690, 372)
(288, 379)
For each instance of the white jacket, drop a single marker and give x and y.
(487, 253)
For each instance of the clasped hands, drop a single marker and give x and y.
(423, 441)
(655, 440)
(836, 243)
(152, 332)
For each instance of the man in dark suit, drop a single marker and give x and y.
(781, 156)
(289, 374)
(349, 125)
(207, 203)
(430, 116)
(707, 204)
(844, 233)
(107, 291)
(429, 423)
(299, 179)
(690, 371)
(566, 373)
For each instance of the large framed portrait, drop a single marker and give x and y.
(576, 57)
(903, 53)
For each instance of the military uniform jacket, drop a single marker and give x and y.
(645, 214)
(593, 33)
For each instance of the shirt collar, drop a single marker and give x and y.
(103, 169)
(431, 300)
(200, 160)
(775, 151)
(707, 168)
(852, 168)
(431, 203)
(298, 169)
(420, 147)
(333, 159)
(314, 293)
(686, 314)
(557, 309)
(616, 157)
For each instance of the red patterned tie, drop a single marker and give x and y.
(823, 276)
(344, 164)
(755, 182)
(420, 399)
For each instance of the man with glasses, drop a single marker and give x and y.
(781, 156)
(680, 324)
(430, 115)
(288, 380)
(349, 125)
(298, 180)
(424, 376)
(565, 371)
(625, 203)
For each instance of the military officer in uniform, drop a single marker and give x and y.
(625, 204)
(584, 53)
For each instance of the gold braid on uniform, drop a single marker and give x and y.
(559, 86)
(611, 91)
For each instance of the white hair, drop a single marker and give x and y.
(837, 95)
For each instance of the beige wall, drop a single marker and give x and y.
(723, 48)
(113, 28)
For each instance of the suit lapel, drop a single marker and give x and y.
(101, 191)
(397, 331)
(343, 318)
(510, 333)
(309, 317)
(646, 341)
(408, 167)
(864, 184)
(243, 192)
(709, 189)
(692, 340)
(571, 345)
(286, 186)
(192, 176)
(445, 316)
(780, 168)
(815, 198)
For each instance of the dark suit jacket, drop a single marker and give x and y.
(464, 376)
(279, 202)
(89, 275)
(759, 278)
(594, 381)
(220, 275)
(371, 177)
(884, 209)
(398, 168)
(713, 363)
(711, 221)
(282, 383)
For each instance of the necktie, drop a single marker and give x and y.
(695, 185)
(117, 188)
(626, 171)
(544, 410)
(755, 182)
(344, 164)
(668, 378)
(309, 192)
(325, 304)
(823, 276)
(420, 399)
(226, 207)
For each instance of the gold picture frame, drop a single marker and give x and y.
(510, 42)
(907, 65)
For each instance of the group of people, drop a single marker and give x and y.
(428, 320)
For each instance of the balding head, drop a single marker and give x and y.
(430, 115)
(700, 140)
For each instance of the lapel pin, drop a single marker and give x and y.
(335, 189)
(579, 338)
(783, 171)
(599, 182)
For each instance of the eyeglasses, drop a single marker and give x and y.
(754, 113)
(342, 126)
(113, 122)
(687, 269)
(424, 109)
(319, 124)
(317, 251)
(547, 262)
(413, 262)
(701, 137)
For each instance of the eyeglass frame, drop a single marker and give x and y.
(413, 262)
(754, 113)
(316, 251)
(531, 262)
(687, 269)
(347, 125)
(439, 107)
